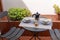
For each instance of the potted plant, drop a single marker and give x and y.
(57, 10)
(17, 14)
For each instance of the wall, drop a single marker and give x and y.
(42, 6)
(12, 3)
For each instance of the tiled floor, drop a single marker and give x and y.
(28, 37)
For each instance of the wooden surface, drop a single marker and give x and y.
(53, 17)
(5, 25)
(1, 6)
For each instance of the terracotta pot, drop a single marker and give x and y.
(58, 16)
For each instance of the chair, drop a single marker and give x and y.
(18, 35)
(2, 14)
(9, 32)
(13, 34)
(52, 34)
(57, 32)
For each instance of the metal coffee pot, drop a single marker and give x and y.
(36, 15)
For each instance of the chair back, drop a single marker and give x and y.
(2, 14)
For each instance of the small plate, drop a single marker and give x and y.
(45, 22)
(26, 21)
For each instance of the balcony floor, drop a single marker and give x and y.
(28, 37)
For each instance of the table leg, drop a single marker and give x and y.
(38, 38)
(35, 35)
(31, 38)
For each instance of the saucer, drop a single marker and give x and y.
(26, 21)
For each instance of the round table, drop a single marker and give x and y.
(30, 26)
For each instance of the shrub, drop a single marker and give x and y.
(18, 13)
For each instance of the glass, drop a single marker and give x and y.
(36, 23)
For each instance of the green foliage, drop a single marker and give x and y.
(18, 13)
(57, 9)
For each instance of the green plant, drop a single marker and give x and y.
(57, 9)
(18, 13)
